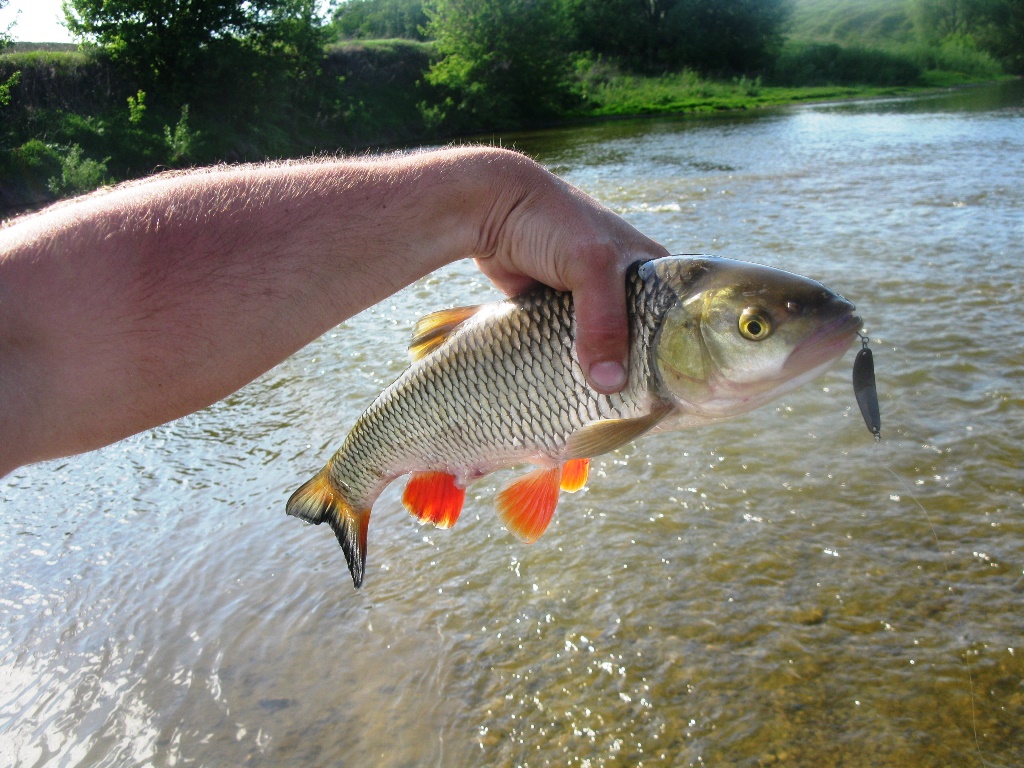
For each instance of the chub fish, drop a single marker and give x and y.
(498, 385)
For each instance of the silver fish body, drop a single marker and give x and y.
(500, 385)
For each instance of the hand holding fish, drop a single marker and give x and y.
(562, 238)
(134, 306)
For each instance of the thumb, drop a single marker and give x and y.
(602, 328)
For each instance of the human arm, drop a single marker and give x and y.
(127, 309)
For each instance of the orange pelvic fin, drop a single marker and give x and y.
(527, 505)
(317, 501)
(433, 330)
(433, 497)
(574, 474)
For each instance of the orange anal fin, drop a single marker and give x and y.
(317, 501)
(433, 497)
(527, 505)
(574, 474)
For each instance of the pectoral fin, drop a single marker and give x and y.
(604, 436)
(433, 497)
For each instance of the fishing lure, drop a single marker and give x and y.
(864, 389)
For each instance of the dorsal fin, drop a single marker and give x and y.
(603, 436)
(432, 330)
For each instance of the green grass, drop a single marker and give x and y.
(687, 93)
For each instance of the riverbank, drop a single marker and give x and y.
(74, 124)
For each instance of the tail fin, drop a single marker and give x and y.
(316, 502)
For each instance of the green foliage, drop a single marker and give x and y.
(958, 56)
(502, 61)
(1003, 37)
(78, 173)
(622, 30)
(720, 36)
(376, 19)
(11, 80)
(727, 35)
(962, 35)
(939, 19)
(203, 49)
(181, 141)
(617, 93)
(36, 157)
(137, 107)
(865, 23)
(374, 92)
(833, 64)
(994, 26)
(5, 88)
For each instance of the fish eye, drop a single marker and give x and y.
(754, 324)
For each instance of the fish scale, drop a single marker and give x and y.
(437, 400)
(501, 385)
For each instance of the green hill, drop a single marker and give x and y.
(853, 22)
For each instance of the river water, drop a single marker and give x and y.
(777, 590)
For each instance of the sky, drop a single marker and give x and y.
(40, 21)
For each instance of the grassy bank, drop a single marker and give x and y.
(803, 72)
(686, 93)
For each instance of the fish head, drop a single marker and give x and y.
(741, 334)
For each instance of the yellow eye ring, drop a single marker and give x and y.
(754, 324)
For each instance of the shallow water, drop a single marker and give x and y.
(777, 590)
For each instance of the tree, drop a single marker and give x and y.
(1004, 36)
(995, 26)
(171, 46)
(10, 82)
(708, 35)
(726, 36)
(627, 30)
(379, 19)
(941, 19)
(504, 59)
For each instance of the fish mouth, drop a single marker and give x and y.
(826, 344)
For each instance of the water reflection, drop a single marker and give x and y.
(767, 591)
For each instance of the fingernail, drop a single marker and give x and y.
(608, 375)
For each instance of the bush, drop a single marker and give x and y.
(503, 61)
(832, 64)
(959, 55)
(78, 174)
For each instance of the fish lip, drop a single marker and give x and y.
(827, 343)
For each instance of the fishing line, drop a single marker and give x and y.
(866, 392)
(959, 616)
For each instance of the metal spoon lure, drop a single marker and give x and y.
(864, 389)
